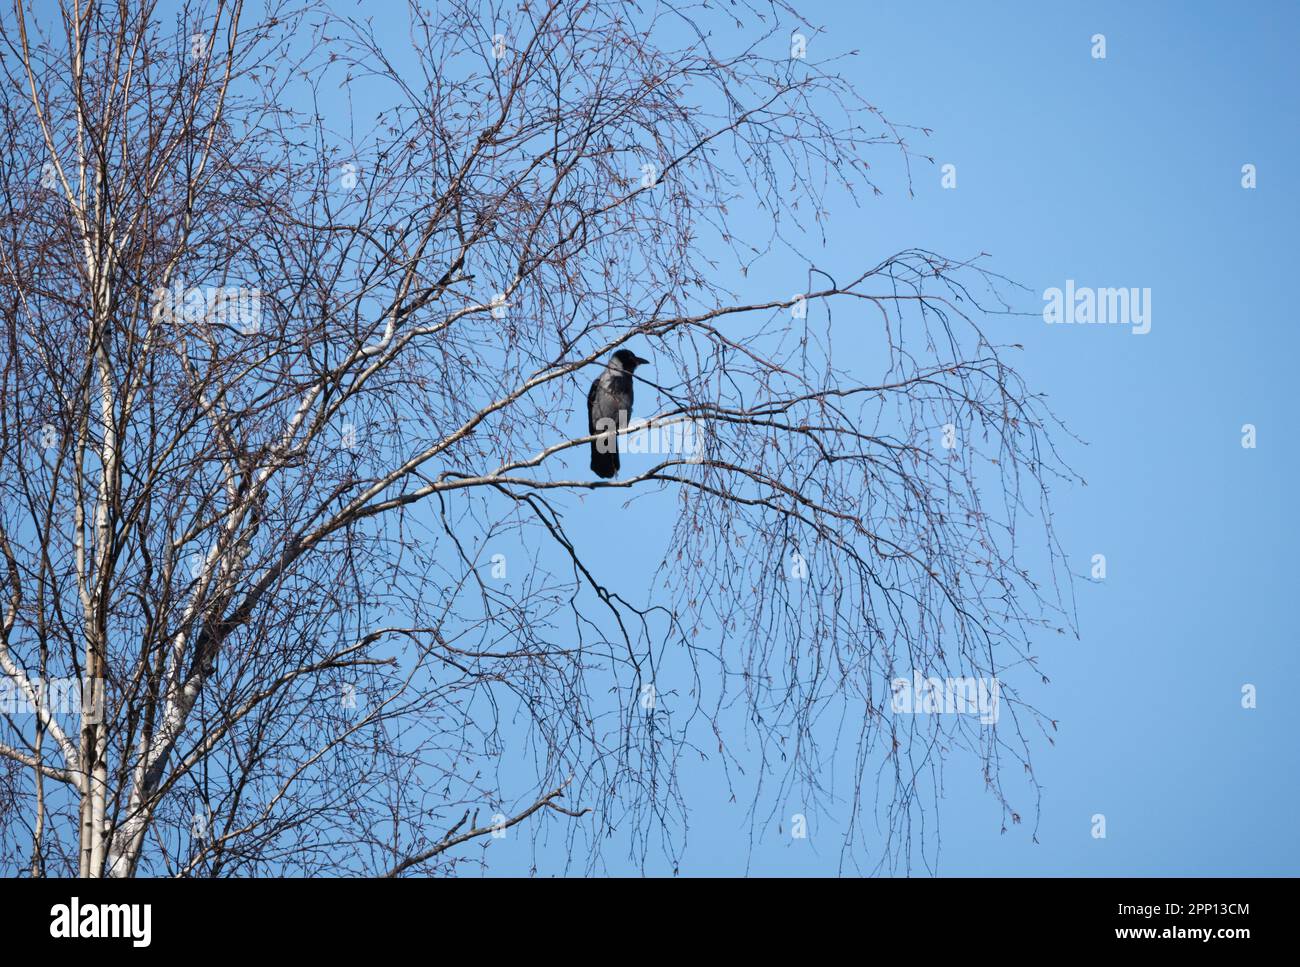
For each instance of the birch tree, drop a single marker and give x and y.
(298, 326)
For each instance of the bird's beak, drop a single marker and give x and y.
(640, 361)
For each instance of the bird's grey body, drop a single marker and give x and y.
(609, 407)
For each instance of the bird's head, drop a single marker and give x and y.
(629, 360)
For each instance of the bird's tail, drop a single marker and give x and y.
(604, 464)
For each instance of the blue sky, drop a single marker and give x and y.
(1117, 172)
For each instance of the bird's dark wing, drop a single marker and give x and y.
(591, 405)
(603, 405)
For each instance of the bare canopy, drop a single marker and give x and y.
(298, 327)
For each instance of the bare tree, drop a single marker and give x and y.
(298, 327)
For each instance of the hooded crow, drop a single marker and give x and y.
(609, 407)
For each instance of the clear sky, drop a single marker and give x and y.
(1117, 172)
(1127, 172)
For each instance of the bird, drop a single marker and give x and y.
(609, 407)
